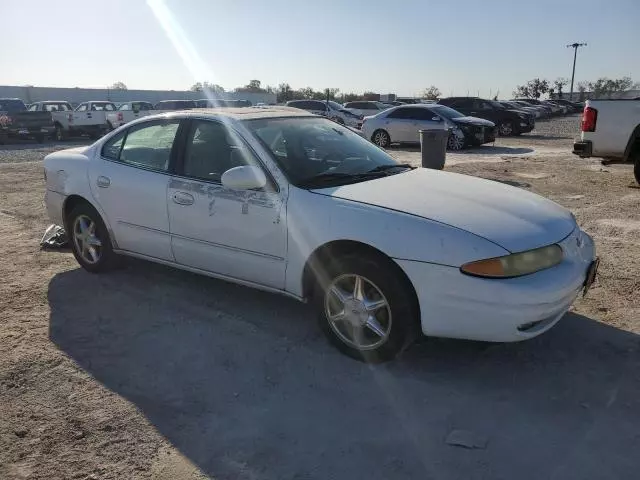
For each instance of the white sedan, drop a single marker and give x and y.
(402, 124)
(284, 201)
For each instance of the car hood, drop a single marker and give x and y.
(473, 121)
(511, 217)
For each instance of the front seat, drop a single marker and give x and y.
(209, 155)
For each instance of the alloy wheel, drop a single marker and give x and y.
(381, 138)
(87, 244)
(505, 129)
(358, 312)
(455, 142)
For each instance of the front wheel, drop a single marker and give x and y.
(505, 129)
(89, 239)
(455, 142)
(365, 309)
(381, 138)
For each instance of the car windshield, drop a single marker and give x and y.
(446, 112)
(316, 152)
(497, 105)
(347, 113)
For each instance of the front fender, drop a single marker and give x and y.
(314, 220)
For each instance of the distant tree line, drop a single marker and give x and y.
(284, 92)
(602, 87)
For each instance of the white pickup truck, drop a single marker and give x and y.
(610, 129)
(129, 111)
(89, 118)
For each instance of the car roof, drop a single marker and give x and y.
(237, 113)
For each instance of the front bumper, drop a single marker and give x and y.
(525, 126)
(456, 305)
(583, 148)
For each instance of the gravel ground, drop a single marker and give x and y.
(155, 373)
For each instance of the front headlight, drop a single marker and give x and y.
(515, 265)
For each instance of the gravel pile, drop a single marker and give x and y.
(564, 127)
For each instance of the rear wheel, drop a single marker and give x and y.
(59, 133)
(381, 138)
(365, 309)
(90, 240)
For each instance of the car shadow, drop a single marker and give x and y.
(480, 150)
(493, 150)
(244, 386)
(546, 137)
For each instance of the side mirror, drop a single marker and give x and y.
(244, 178)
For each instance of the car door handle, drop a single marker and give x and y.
(103, 182)
(183, 198)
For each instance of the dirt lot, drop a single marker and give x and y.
(154, 373)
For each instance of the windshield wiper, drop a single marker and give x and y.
(338, 177)
(328, 177)
(384, 168)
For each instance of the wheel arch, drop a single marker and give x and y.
(337, 248)
(633, 144)
(72, 201)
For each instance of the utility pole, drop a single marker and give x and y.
(575, 47)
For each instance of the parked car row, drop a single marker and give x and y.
(60, 120)
(17, 122)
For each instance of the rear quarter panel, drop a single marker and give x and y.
(617, 120)
(67, 173)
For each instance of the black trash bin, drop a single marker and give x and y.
(433, 147)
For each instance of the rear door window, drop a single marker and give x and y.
(146, 145)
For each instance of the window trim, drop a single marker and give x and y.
(179, 164)
(138, 126)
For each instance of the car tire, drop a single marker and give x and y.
(454, 142)
(109, 127)
(636, 168)
(59, 134)
(40, 138)
(89, 239)
(382, 318)
(506, 129)
(381, 138)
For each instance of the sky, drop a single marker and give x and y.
(403, 46)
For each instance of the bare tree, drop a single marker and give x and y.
(202, 86)
(558, 84)
(118, 86)
(533, 89)
(431, 93)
